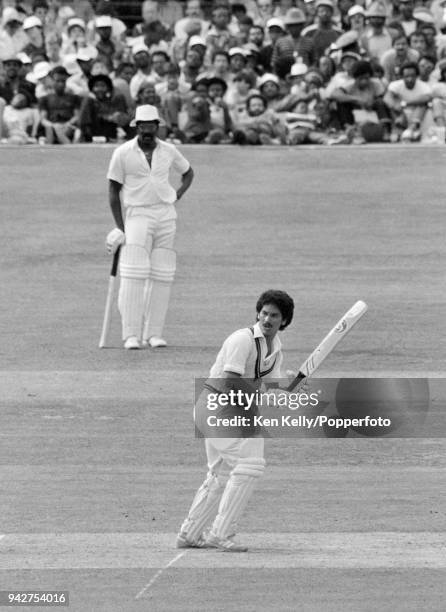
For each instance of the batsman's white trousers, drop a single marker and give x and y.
(146, 227)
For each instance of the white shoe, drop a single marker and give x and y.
(224, 544)
(132, 343)
(156, 342)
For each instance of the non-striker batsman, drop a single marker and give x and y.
(138, 177)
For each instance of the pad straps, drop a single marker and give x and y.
(258, 373)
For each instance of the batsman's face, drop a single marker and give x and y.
(147, 131)
(270, 319)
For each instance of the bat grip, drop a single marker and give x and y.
(300, 376)
(114, 268)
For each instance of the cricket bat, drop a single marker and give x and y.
(109, 301)
(321, 352)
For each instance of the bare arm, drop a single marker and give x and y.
(114, 190)
(186, 182)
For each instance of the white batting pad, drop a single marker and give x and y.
(204, 506)
(236, 495)
(162, 273)
(134, 270)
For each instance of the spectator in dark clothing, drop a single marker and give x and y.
(59, 111)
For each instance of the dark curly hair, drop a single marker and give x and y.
(281, 300)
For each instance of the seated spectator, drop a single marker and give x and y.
(198, 117)
(439, 96)
(121, 81)
(430, 34)
(323, 32)
(365, 93)
(143, 65)
(172, 100)
(394, 58)
(74, 38)
(219, 37)
(13, 82)
(377, 39)
(195, 17)
(155, 36)
(147, 95)
(109, 52)
(12, 37)
(408, 100)
(103, 112)
(53, 44)
(406, 17)
(259, 125)
(294, 23)
(220, 66)
(418, 42)
(191, 68)
(40, 77)
(327, 68)
(269, 87)
(237, 61)
(343, 77)
(220, 118)
(40, 10)
(245, 23)
(33, 28)
(282, 47)
(426, 65)
(160, 63)
(20, 120)
(59, 111)
(78, 82)
(242, 86)
(105, 8)
(356, 18)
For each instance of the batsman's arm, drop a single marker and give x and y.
(186, 182)
(114, 191)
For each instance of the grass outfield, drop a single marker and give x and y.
(97, 459)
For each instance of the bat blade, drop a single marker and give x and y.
(109, 301)
(335, 335)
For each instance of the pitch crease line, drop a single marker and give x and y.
(152, 581)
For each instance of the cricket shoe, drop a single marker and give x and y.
(132, 343)
(156, 342)
(224, 544)
(183, 542)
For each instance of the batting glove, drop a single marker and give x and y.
(114, 239)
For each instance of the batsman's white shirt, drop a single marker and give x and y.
(239, 354)
(144, 185)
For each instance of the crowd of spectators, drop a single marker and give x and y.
(251, 72)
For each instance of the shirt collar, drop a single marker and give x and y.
(276, 346)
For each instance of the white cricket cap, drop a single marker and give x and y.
(356, 10)
(40, 71)
(75, 21)
(139, 48)
(103, 21)
(10, 14)
(196, 40)
(268, 76)
(145, 112)
(237, 51)
(24, 58)
(275, 22)
(298, 69)
(32, 22)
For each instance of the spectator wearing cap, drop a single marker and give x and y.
(343, 77)
(74, 37)
(143, 65)
(40, 77)
(33, 28)
(341, 15)
(77, 83)
(405, 17)
(294, 24)
(219, 37)
(13, 82)
(269, 86)
(377, 39)
(237, 61)
(119, 29)
(408, 100)
(12, 37)
(356, 19)
(322, 33)
(363, 93)
(259, 124)
(59, 111)
(103, 111)
(394, 58)
(109, 52)
(282, 47)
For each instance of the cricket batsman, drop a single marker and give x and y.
(248, 357)
(138, 177)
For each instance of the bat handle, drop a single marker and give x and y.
(115, 263)
(296, 380)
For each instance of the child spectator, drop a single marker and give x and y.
(259, 125)
(220, 119)
(237, 94)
